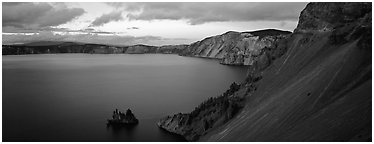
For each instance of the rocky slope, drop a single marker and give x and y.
(218, 110)
(318, 90)
(236, 48)
(214, 111)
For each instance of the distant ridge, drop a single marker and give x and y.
(233, 48)
(46, 43)
(268, 32)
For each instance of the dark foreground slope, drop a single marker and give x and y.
(319, 90)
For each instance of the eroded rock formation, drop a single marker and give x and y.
(235, 48)
(122, 119)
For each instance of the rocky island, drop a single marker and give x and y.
(122, 119)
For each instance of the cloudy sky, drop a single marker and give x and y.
(140, 23)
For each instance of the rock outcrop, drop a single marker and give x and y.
(235, 48)
(317, 88)
(327, 17)
(122, 119)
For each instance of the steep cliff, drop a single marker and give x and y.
(236, 48)
(318, 90)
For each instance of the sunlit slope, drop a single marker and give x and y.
(320, 90)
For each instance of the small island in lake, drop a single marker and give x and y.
(122, 119)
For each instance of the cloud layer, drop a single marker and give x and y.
(85, 22)
(37, 15)
(199, 13)
(105, 18)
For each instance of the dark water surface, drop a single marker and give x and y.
(68, 97)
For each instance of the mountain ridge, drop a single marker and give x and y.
(233, 54)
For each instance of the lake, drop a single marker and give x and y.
(69, 97)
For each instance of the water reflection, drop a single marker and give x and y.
(176, 136)
(118, 132)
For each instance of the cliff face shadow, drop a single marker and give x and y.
(175, 137)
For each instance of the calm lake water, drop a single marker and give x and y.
(69, 97)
